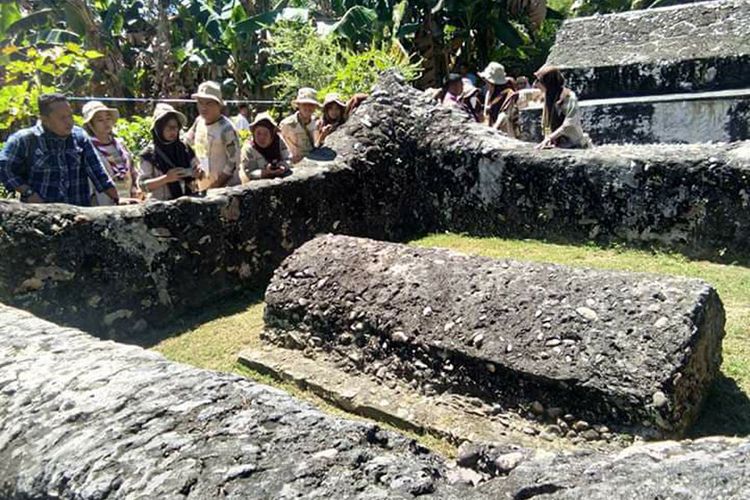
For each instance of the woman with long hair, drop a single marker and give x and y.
(561, 122)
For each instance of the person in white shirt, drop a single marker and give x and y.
(214, 139)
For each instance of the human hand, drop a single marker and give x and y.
(545, 144)
(199, 173)
(175, 174)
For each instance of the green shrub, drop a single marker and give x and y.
(135, 132)
(360, 71)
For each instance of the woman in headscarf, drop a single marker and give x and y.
(99, 122)
(169, 167)
(561, 122)
(334, 115)
(265, 155)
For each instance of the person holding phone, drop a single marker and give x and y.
(169, 167)
(265, 155)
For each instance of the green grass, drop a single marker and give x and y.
(214, 339)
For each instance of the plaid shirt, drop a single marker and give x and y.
(57, 168)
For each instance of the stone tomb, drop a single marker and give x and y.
(88, 419)
(622, 349)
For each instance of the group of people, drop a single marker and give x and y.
(57, 162)
(499, 102)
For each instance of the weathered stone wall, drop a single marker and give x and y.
(695, 47)
(86, 419)
(609, 347)
(117, 272)
(710, 117)
(405, 166)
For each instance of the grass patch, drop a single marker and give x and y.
(213, 339)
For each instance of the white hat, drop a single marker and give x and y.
(494, 73)
(209, 90)
(264, 117)
(163, 109)
(91, 108)
(306, 95)
(333, 97)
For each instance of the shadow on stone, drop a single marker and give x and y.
(219, 309)
(726, 411)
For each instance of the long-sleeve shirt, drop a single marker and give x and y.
(56, 168)
(300, 138)
(253, 162)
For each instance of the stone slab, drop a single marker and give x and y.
(693, 47)
(722, 116)
(88, 419)
(386, 398)
(622, 349)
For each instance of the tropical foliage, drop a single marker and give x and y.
(29, 71)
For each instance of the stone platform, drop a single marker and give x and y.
(720, 116)
(694, 47)
(622, 349)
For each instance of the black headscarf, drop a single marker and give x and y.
(273, 152)
(168, 155)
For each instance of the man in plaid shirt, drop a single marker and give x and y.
(53, 161)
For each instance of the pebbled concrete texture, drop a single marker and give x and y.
(622, 349)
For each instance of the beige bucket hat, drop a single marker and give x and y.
(163, 109)
(333, 97)
(264, 117)
(306, 95)
(494, 73)
(91, 108)
(209, 90)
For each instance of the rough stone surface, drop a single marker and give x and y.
(405, 167)
(621, 348)
(88, 419)
(694, 47)
(708, 468)
(714, 117)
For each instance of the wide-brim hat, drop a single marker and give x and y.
(209, 90)
(333, 98)
(494, 73)
(264, 117)
(163, 109)
(306, 95)
(91, 108)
